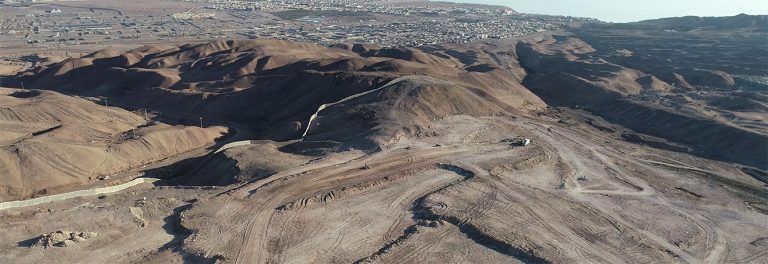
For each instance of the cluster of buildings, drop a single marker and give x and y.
(192, 15)
(383, 22)
(414, 33)
(324, 22)
(57, 26)
(369, 6)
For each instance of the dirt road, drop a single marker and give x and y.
(574, 195)
(507, 202)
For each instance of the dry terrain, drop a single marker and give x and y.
(51, 142)
(464, 195)
(361, 153)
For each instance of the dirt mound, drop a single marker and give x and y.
(63, 238)
(255, 161)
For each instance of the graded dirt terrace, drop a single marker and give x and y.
(462, 195)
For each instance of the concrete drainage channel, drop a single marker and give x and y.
(103, 190)
(75, 194)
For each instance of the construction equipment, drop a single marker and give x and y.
(518, 141)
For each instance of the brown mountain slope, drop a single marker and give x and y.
(404, 107)
(568, 72)
(272, 86)
(50, 141)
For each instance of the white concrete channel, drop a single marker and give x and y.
(102, 190)
(75, 194)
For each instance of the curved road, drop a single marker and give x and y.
(235, 140)
(232, 141)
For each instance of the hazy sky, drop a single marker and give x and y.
(632, 10)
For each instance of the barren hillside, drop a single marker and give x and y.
(51, 142)
(361, 153)
(676, 101)
(272, 86)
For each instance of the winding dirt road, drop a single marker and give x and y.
(574, 195)
(504, 203)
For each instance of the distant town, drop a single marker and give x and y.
(62, 24)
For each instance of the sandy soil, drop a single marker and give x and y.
(574, 195)
(10, 69)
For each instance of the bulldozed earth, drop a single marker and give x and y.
(465, 195)
(359, 153)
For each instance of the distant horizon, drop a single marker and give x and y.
(620, 11)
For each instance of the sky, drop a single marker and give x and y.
(632, 10)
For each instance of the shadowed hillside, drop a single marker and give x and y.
(648, 95)
(49, 142)
(273, 86)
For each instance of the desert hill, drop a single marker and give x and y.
(666, 100)
(358, 93)
(50, 142)
(272, 86)
(402, 108)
